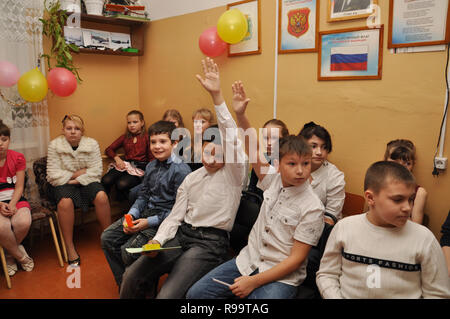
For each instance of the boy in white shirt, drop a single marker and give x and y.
(290, 222)
(382, 254)
(203, 214)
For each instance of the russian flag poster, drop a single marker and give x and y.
(350, 54)
(349, 58)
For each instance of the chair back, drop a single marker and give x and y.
(246, 216)
(44, 187)
(353, 204)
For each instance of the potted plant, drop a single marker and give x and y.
(94, 7)
(53, 23)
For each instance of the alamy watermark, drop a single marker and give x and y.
(74, 279)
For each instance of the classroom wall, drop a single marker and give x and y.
(362, 116)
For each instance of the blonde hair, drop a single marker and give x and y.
(74, 118)
(174, 114)
(206, 114)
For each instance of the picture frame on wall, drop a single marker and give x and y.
(340, 10)
(298, 24)
(251, 44)
(418, 23)
(351, 54)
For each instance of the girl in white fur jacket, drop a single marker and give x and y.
(74, 169)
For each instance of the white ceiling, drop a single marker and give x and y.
(161, 9)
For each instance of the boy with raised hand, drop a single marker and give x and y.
(162, 178)
(290, 222)
(382, 254)
(203, 214)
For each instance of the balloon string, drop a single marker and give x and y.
(11, 102)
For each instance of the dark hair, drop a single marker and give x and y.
(379, 172)
(294, 144)
(4, 130)
(212, 134)
(392, 145)
(280, 123)
(311, 128)
(162, 127)
(141, 117)
(176, 115)
(402, 153)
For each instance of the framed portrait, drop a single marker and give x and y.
(251, 44)
(298, 23)
(339, 10)
(351, 54)
(418, 23)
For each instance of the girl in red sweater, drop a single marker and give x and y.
(127, 173)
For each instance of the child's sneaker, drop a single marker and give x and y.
(26, 262)
(11, 265)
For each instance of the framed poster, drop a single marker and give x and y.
(351, 54)
(418, 23)
(339, 10)
(298, 22)
(251, 44)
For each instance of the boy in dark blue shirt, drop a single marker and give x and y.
(162, 178)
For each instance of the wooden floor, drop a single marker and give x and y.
(49, 281)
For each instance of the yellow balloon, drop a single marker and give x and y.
(32, 86)
(232, 26)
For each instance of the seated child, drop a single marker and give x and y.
(382, 254)
(404, 152)
(162, 178)
(203, 214)
(15, 217)
(173, 116)
(290, 221)
(326, 179)
(202, 119)
(270, 143)
(135, 143)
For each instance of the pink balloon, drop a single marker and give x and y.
(61, 81)
(9, 74)
(211, 44)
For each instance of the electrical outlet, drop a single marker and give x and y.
(440, 163)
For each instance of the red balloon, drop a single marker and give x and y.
(61, 81)
(211, 44)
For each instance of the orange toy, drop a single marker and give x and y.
(129, 220)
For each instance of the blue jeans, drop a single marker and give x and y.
(206, 288)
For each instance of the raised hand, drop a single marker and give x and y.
(211, 80)
(240, 100)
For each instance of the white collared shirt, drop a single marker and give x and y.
(210, 200)
(329, 185)
(287, 214)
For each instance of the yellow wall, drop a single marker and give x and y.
(362, 116)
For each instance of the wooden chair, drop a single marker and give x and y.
(40, 174)
(5, 269)
(38, 214)
(354, 204)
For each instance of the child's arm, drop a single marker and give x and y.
(335, 194)
(244, 285)
(240, 102)
(446, 251)
(94, 168)
(56, 176)
(18, 191)
(434, 273)
(211, 82)
(327, 277)
(110, 151)
(419, 205)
